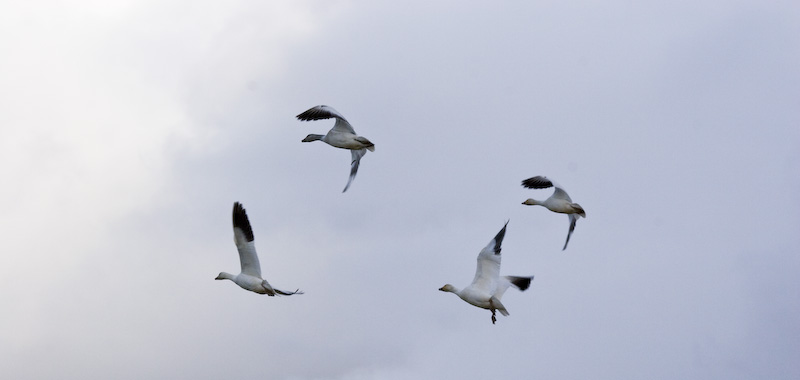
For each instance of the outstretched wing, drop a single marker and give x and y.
(521, 283)
(356, 155)
(488, 270)
(326, 112)
(573, 218)
(273, 291)
(243, 237)
(285, 293)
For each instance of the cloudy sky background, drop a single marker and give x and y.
(128, 129)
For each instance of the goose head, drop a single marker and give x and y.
(531, 202)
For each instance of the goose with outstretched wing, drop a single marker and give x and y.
(488, 286)
(558, 202)
(250, 276)
(342, 135)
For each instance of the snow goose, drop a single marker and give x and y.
(558, 202)
(488, 287)
(250, 277)
(342, 135)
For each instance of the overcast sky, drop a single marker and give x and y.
(129, 128)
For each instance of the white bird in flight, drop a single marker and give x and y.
(341, 135)
(558, 202)
(487, 287)
(250, 277)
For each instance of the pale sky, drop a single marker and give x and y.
(128, 129)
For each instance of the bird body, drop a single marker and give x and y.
(558, 205)
(253, 284)
(344, 140)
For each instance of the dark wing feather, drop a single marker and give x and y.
(521, 283)
(538, 182)
(241, 221)
(320, 113)
(498, 239)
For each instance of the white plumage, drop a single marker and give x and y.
(342, 135)
(250, 276)
(558, 202)
(488, 286)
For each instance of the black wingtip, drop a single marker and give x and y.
(241, 221)
(304, 116)
(498, 239)
(307, 115)
(538, 182)
(522, 283)
(315, 113)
